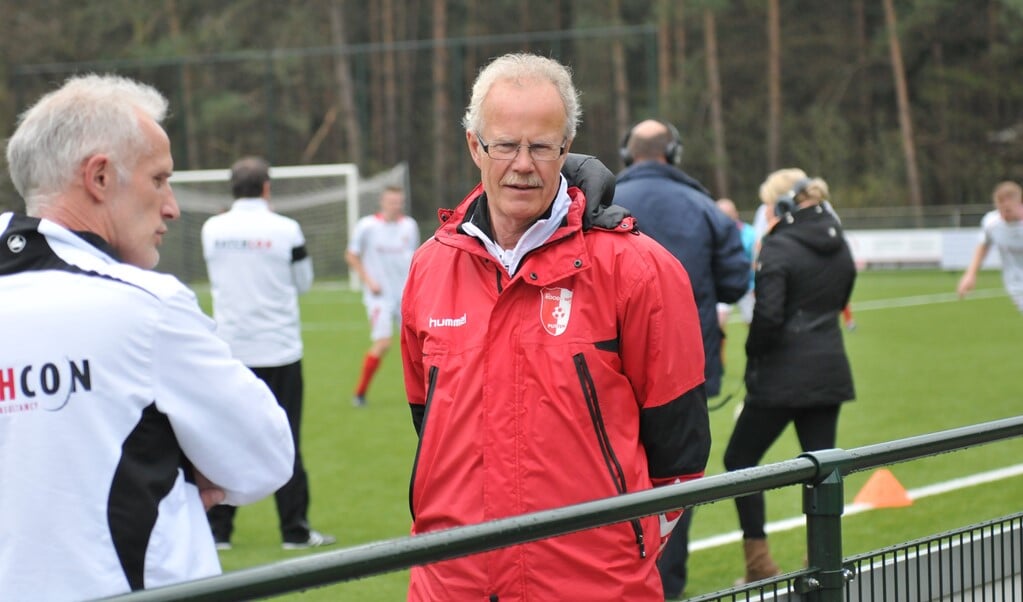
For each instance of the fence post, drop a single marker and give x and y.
(823, 504)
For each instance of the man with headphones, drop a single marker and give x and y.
(676, 210)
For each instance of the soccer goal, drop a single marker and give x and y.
(326, 200)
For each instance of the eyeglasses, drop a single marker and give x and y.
(506, 151)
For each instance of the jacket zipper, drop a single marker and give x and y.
(614, 467)
(422, 435)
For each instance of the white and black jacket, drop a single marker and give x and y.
(114, 390)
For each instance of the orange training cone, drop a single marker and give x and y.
(883, 490)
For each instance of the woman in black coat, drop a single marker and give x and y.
(796, 367)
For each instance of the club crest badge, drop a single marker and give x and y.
(555, 309)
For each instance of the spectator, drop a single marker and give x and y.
(552, 356)
(676, 210)
(796, 367)
(258, 266)
(380, 252)
(122, 416)
(1003, 229)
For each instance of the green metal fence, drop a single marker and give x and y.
(820, 474)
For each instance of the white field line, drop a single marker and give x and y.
(913, 301)
(926, 299)
(853, 508)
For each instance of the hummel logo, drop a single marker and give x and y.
(448, 322)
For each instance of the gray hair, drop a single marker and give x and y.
(89, 114)
(524, 67)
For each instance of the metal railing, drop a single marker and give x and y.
(820, 473)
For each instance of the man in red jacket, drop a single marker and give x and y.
(552, 356)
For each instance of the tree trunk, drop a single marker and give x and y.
(664, 11)
(390, 82)
(714, 89)
(192, 160)
(773, 86)
(375, 75)
(902, 98)
(343, 81)
(618, 76)
(679, 27)
(443, 123)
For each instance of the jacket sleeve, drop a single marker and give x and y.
(662, 354)
(767, 327)
(731, 265)
(226, 420)
(301, 262)
(412, 355)
(676, 437)
(301, 269)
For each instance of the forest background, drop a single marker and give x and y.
(896, 102)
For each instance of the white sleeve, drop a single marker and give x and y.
(355, 245)
(226, 420)
(301, 267)
(302, 274)
(987, 224)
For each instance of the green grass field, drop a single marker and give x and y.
(922, 362)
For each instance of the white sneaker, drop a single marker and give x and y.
(316, 540)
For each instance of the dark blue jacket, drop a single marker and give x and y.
(677, 211)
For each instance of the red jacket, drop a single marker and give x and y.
(579, 378)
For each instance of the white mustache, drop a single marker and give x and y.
(514, 180)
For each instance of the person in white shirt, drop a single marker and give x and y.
(1001, 228)
(122, 415)
(380, 252)
(258, 266)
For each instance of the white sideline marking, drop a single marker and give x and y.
(914, 494)
(913, 301)
(926, 299)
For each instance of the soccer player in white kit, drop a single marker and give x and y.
(380, 252)
(1002, 229)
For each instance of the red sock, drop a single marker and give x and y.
(369, 367)
(847, 314)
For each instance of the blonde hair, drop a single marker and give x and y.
(782, 181)
(1005, 189)
(778, 183)
(817, 190)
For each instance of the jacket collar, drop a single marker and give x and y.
(536, 235)
(653, 169)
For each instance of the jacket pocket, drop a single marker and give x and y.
(430, 388)
(614, 467)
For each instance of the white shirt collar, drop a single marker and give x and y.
(536, 235)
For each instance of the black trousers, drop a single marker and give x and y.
(293, 498)
(672, 563)
(755, 431)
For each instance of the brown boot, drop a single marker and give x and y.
(759, 564)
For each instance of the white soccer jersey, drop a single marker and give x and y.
(258, 265)
(385, 249)
(113, 387)
(1007, 237)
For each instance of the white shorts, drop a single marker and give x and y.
(383, 313)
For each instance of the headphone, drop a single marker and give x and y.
(672, 152)
(786, 203)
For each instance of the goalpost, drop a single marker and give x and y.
(327, 200)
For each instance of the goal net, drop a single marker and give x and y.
(326, 200)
